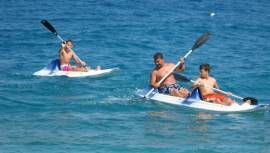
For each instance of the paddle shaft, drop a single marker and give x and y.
(177, 64)
(218, 90)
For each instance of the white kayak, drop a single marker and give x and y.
(52, 69)
(195, 102)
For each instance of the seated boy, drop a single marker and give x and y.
(204, 82)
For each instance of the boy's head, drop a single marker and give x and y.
(204, 69)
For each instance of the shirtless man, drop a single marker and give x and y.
(168, 86)
(207, 93)
(66, 53)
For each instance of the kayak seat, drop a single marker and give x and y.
(195, 94)
(54, 65)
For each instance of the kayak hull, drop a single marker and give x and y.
(53, 69)
(90, 73)
(196, 103)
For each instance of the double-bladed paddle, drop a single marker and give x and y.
(185, 79)
(200, 41)
(49, 26)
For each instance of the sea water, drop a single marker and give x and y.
(103, 114)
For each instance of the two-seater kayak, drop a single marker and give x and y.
(195, 102)
(53, 69)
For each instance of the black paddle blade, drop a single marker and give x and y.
(180, 77)
(200, 41)
(253, 101)
(49, 26)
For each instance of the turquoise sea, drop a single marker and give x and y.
(103, 115)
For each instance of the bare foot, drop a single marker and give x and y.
(98, 68)
(247, 102)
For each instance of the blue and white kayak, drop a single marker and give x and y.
(53, 69)
(195, 102)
